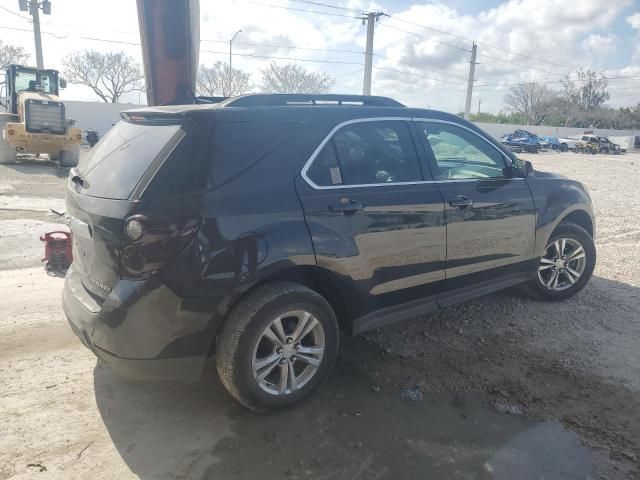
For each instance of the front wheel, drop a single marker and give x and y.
(277, 346)
(70, 157)
(567, 264)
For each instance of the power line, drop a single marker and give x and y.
(520, 65)
(337, 7)
(285, 58)
(332, 62)
(291, 47)
(15, 14)
(418, 67)
(426, 38)
(301, 10)
(62, 37)
(404, 72)
(347, 74)
(488, 45)
(465, 50)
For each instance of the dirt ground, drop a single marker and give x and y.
(499, 388)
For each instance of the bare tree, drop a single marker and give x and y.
(585, 97)
(292, 78)
(219, 80)
(110, 75)
(533, 100)
(10, 54)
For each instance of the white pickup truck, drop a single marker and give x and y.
(568, 143)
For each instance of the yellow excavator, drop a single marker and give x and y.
(35, 120)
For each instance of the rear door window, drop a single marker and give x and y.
(367, 153)
(116, 164)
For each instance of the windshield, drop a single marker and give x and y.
(28, 79)
(117, 163)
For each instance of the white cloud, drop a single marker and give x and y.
(634, 20)
(600, 43)
(564, 32)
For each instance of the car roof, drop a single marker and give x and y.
(330, 109)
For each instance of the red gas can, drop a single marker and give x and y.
(57, 250)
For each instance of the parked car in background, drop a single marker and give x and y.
(342, 213)
(568, 143)
(604, 144)
(521, 141)
(587, 144)
(551, 142)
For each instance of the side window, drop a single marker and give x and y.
(461, 154)
(366, 153)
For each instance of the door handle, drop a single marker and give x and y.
(461, 202)
(346, 207)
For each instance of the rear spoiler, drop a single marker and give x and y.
(153, 118)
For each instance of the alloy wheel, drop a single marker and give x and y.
(562, 265)
(288, 353)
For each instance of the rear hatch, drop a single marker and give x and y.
(133, 164)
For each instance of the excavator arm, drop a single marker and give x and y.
(170, 37)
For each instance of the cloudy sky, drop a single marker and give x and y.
(421, 49)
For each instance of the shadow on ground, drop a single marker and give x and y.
(31, 165)
(532, 360)
(348, 430)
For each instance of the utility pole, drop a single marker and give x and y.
(32, 7)
(371, 18)
(472, 71)
(231, 58)
(479, 103)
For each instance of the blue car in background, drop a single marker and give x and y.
(521, 141)
(550, 141)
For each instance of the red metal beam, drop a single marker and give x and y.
(170, 36)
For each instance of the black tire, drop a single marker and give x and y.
(8, 153)
(243, 331)
(69, 158)
(538, 290)
(564, 147)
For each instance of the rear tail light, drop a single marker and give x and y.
(149, 242)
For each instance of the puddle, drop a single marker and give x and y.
(351, 430)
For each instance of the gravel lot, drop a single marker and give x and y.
(502, 387)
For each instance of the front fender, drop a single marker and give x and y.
(556, 198)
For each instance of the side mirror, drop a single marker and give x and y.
(523, 166)
(63, 83)
(528, 168)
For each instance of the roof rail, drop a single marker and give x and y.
(303, 99)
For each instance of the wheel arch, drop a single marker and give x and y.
(578, 214)
(330, 285)
(580, 218)
(323, 281)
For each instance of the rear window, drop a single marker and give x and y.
(117, 163)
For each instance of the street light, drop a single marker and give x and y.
(231, 56)
(32, 7)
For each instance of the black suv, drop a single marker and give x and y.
(252, 230)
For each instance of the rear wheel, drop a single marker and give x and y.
(564, 147)
(69, 158)
(277, 346)
(567, 264)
